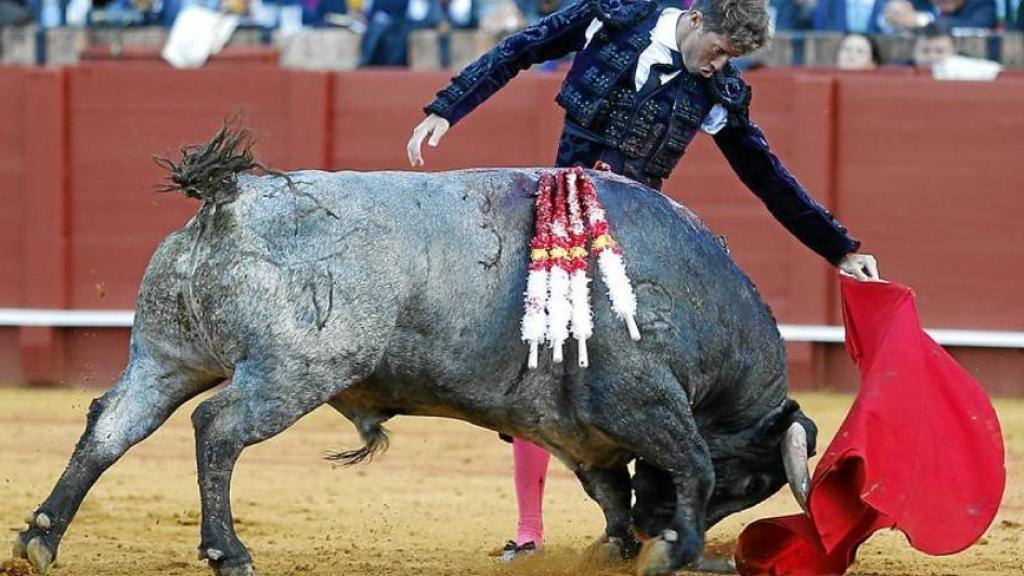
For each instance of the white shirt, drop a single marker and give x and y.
(858, 15)
(659, 51)
(963, 68)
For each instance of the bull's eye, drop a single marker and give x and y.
(755, 485)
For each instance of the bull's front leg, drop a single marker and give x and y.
(682, 542)
(649, 416)
(687, 461)
(655, 506)
(610, 488)
(655, 510)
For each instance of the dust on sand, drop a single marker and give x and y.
(432, 506)
(16, 567)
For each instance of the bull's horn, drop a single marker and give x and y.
(794, 459)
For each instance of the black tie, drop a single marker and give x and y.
(654, 78)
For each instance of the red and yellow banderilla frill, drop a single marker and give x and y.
(568, 212)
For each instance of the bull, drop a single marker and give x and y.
(395, 293)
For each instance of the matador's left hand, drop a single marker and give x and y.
(860, 266)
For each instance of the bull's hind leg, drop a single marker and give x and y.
(146, 394)
(260, 402)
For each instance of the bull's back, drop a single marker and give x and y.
(434, 265)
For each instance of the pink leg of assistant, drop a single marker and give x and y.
(531, 464)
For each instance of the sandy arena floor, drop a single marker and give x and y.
(434, 505)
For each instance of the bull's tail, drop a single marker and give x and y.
(375, 440)
(209, 171)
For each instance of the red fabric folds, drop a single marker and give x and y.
(920, 451)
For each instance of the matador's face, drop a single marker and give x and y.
(704, 53)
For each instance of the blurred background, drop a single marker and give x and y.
(904, 118)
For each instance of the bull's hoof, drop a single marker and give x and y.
(669, 552)
(610, 552)
(20, 548)
(713, 565)
(245, 569)
(605, 552)
(655, 558)
(39, 555)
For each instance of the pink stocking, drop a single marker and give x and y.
(531, 464)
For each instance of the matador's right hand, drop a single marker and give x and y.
(433, 126)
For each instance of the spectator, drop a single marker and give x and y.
(126, 13)
(448, 15)
(320, 13)
(858, 52)
(534, 10)
(48, 13)
(850, 16)
(504, 18)
(389, 22)
(956, 14)
(934, 44)
(791, 14)
(13, 12)
(934, 49)
(285, 16)
(387, 33)
(457, 14)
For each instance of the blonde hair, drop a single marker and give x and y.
(743, 22)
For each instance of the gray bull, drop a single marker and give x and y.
(401, 293)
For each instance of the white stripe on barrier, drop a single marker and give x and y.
(67, 318)
(806, 333)
(945, 337)
(790, 332)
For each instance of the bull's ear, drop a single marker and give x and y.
(773, 425)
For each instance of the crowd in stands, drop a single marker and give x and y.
(385, 25)
(934, 50)
(270, 13)
(859, 16)
(896, 16)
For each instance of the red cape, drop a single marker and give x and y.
(920, 451)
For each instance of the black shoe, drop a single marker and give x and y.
(512, 551)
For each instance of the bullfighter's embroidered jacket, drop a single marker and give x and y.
(643, 132)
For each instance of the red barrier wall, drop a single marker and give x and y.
(88, 176)
(34, 221)
(910, 165)
(12, 180)
(121, 116)
(943, 162)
